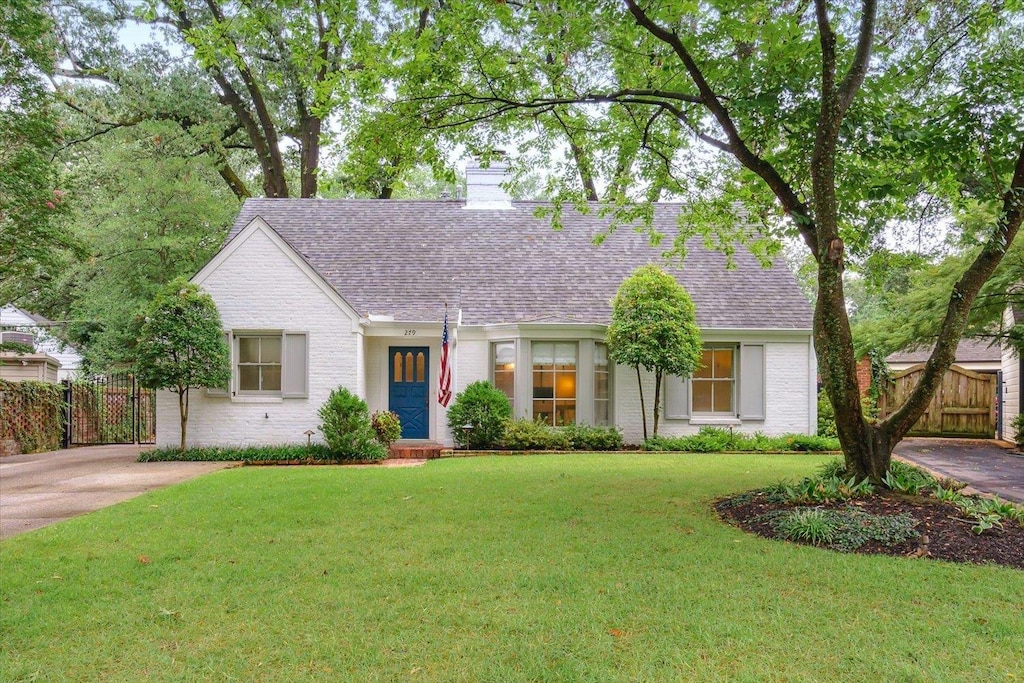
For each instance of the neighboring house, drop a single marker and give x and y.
(16, 323)
(314, 294)
(979, 355)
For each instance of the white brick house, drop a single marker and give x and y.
(314, 294)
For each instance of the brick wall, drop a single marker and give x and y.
(788, 398)
(258, 287)
(864, 375)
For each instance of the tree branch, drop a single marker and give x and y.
(859, 69)
(791, 204)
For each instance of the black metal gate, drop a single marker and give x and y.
(109, 408)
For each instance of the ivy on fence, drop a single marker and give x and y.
(30, 417)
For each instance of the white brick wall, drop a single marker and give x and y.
(788, 397)
(1011, 384)
(258, 287)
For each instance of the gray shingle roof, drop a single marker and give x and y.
(967, 351)
(407, 258)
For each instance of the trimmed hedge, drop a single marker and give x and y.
(716, 439)
(285, 453)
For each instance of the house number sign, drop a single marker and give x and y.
(410, 333)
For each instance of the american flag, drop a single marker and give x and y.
(444, 389)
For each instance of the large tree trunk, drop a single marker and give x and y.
(867, 446)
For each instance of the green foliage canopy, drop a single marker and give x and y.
(827, 121)
(33, 230)
(142, 229)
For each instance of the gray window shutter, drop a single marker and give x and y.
(224, 390)
(294, 365)
(677, 398)
(752, 382)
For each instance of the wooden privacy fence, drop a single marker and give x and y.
(964, 404)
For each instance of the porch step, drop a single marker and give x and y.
(422, 451)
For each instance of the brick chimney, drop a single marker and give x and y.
(483, 185)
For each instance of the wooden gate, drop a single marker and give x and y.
(963, 405)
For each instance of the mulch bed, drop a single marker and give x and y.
(943, 533)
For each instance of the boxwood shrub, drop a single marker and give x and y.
(347, 429)
(483, 407)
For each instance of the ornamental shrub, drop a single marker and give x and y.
(588, 438)
(387, 426)
(526, 435)
(346, 427)
(486, 409)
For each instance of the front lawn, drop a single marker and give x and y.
(555, 567)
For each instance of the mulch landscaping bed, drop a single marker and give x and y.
(943, 533)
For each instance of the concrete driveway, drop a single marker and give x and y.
(986, 465)
(44, 488)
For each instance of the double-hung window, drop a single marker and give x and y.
(714, 383)
(554, 382)
(268, 363)
(259, 363)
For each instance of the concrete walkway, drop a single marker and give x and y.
(988, 466)
(44, 488)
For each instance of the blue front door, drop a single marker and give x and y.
(409, 389)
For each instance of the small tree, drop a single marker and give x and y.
(181, 345)
(654, 326)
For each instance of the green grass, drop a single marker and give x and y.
(545, 568)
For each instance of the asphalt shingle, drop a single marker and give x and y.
(407, 259)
